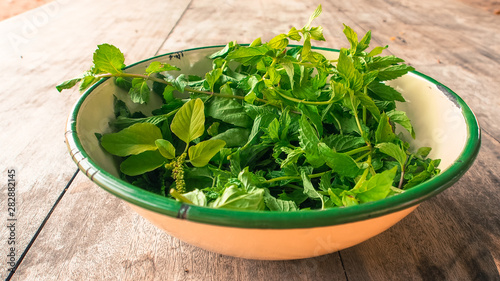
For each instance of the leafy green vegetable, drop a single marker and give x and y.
(269, 127)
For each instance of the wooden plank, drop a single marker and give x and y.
(454, 236)
(39, 49)
(92, 235)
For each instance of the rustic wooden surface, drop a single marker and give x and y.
(91, 235)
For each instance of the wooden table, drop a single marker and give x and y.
(67, 228)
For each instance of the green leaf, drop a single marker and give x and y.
(351, 36)
(166, 148)
(235, 198)
(419, 178)
(108, 59)
(317, 33)
(309, 142)
(157, 66)
(142, 163)
(376, 51)
(343, 142)
(294, 34)
(292, 157)
(256, 42)
(200, 154)
(402, 119)
(384, 92)
(168, 93)
(394, 71)
(261, 121)
(224, 51)
(88, 80)
(139, 93)
(132, 140)
(384, 132)
(313, 114)
(306, 48)
(212, 76)
(68, 84)
(382, 62)
(368, 102)
(234, 137)
(290, 70)
(393, 151)
(124, 83)
(346, 69)
(189, 122)
(309, 189)
(364, 43)
(377, 187)
(340, 163)
(180, 83)
(314, 15)
(248, 55)
(422, 152)
(229, 111)
(197, 197)
(278, 42)
(280, 205)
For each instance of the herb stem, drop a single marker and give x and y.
(295, 177)
(179, 196)
(357, 150)
(304, 101)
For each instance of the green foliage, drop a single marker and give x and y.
(269, 127)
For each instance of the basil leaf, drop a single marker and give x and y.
(189, 122)
(135, 139)
(280, 205)
(235, 198)
(197, 197)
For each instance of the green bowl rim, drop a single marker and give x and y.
(268, 219)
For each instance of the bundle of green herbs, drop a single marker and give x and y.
(282, 129)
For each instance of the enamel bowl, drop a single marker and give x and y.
(441, 120)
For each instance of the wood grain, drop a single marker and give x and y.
(39, 49)
(92, 235)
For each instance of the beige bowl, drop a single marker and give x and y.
(441, 119)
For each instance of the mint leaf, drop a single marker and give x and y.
(212, 77)
(384, 132)
(157, 66)
(384, 92)
(313, 114)
(108, 59)
(351, 36)
(377, 187)
(314, 15)
(309, 142)
(382, 62)
(309, 189)
(340, 163)
(394, 71)
(343, 142)
(294, 34)
(364, 43)
(180, 83)
(393, 151)
(132, 140)
(139, 93)
(376, 51)
(200, 154)
(166, 149)
(68, 84)
(189, 122)
(248, 55)
(317, 33)
(142, 163)
(278, 42)
(402, 119)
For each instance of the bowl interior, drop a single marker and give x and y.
(440, 118)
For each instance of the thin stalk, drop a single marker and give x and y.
(180, 197)
(295, 177)
(357, 150)
(304, 101)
